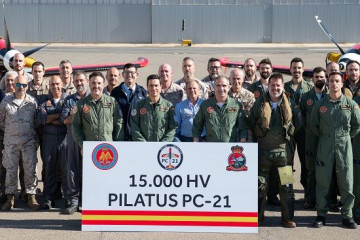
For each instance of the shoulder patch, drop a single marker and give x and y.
(210, 110)
(86, 109)
(309, 102)
(133, 112)
(143, 111)
(323, 109)
(256, 94)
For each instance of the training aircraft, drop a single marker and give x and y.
(343, 57)
(7, 52)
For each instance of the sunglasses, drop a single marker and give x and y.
(23, 85)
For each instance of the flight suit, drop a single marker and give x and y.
(273, 128)
(71, 159)
(97, 120)
(299, 137)
(311, 142)
(18, 120)
(225, 124)
(52, 137)
(335, 122)
(257, 89)
(153, 122)
(356, 156)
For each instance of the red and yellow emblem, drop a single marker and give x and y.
(237, 160)
(323, 109)
(210, 109)
(143, 111)
(256, 94)
(86, 109)
(309, 102)
(104, 156)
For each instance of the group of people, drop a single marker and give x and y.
(318, 117)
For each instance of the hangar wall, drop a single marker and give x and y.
(159, 21)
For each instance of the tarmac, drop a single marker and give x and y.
(21, 223)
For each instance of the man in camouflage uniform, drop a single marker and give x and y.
(245, 97)
(65, 70)
(97, 117)
(214, 69)
(152, 119)
(18, 64)
(272, 120)
(170, 91)
(39, 86)
(250, 73)
(53, 133)
(335, 119)
(188, 68)
(71, 152)
(112, 79)
(222, 116)
(18, 120)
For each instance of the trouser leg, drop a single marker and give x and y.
(345, 171)
(28, 151)
(310, 193)
(324, 174)
(11, 162)
(356, 208)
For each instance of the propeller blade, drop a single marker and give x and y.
(7, 38)
(328, 34)
(31, 51)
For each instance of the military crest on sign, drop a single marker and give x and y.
(104, 156)
(237, 160)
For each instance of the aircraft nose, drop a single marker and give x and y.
(342, 66)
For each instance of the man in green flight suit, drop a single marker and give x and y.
(356, 155)
(295, 89)
(335, 119)
(97, 117)
(273, 119)
(222, 116)
(307, 103)
(152, 119)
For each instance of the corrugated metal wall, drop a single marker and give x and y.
(159, 21)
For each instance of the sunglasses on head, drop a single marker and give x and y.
(23, 85)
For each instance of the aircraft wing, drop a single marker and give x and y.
(276, 68)
(139, 63)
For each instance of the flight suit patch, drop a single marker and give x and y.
(133, 112)
(323, 109)
(210, 110)
(309, 102)
(163, 109)
(86, 109)
(256, 94)
(345, 107)
(106, 105)
(231, 109)
(143, 111)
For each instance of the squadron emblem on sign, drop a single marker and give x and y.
(170, 157)
(237, 160)
(105, 156)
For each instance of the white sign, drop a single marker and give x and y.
(181, 187)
